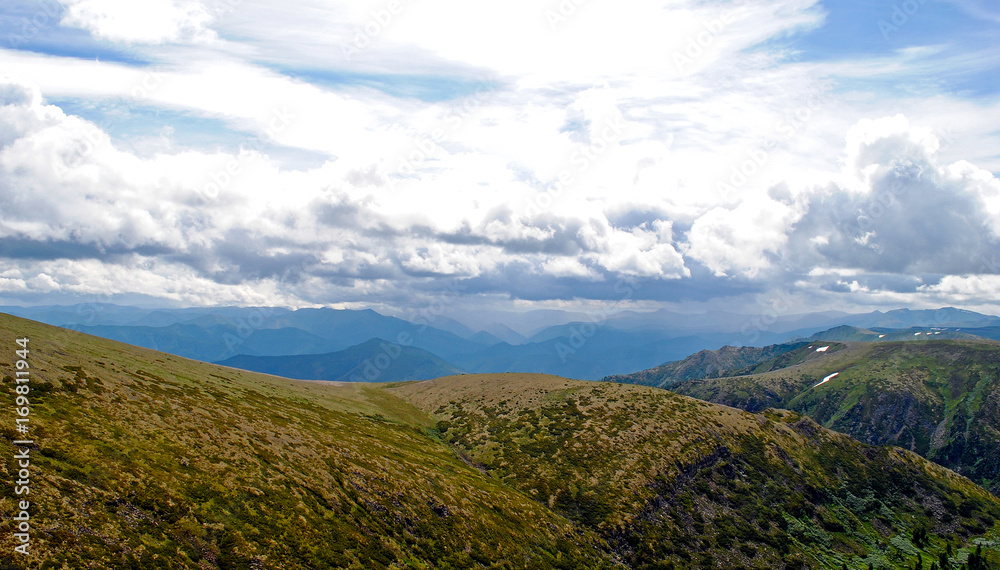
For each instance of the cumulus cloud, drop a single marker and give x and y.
(549, 168)
(233, 219)
(899, 209)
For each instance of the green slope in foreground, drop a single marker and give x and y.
(145, 460)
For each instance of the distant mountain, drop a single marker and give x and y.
(157, 461)
(733, 361)
(84, 313)
(213, 342)
(586, 349)
(450, 325)
(847, 333)
(992, 333)
(505, 334)
(524, 323)
(719, 321)
(938, 398)
(704, 364)
(214, 336)
(906, 318)
(376, 360)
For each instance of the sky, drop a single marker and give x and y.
(694, 155)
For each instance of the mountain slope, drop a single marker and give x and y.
(373, 361)
(147, 460)
(704, 364)
(846, 333)
(212, 337)
(906, 318)
(667, 479)
(940, 399)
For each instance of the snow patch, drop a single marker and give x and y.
(823, 349)
(828, 378)
(881, 336)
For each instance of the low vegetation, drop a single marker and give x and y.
(145, 460)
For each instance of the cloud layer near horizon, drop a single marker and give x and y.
(680, 150)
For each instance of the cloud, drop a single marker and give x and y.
(900, 210)
(73, 196)
(146, 22)
(744, 240)
(682, 147)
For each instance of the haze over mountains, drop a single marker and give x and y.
(568, 344)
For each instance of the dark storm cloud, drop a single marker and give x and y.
(24, 248)
(914, 220)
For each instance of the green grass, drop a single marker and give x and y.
(940, 399)
(146, 460)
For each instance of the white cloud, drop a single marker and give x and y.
(742, 240)
(966, 288)
(590, 152)
(146, 22)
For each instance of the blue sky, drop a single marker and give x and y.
(717, 154)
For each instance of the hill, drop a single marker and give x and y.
(374, 361)
(846, 333)
(940, 399)
(703, 364)
(735, 361)
(148, 460)
(907, 318)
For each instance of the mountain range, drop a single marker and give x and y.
(142, 459)
(568, 344)
(379, 359)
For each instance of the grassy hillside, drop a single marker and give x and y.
(736, 361)
(704, 364)
(854, 334)
(375, 361)
(940, 399)
(145, 460)
(666, 480)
